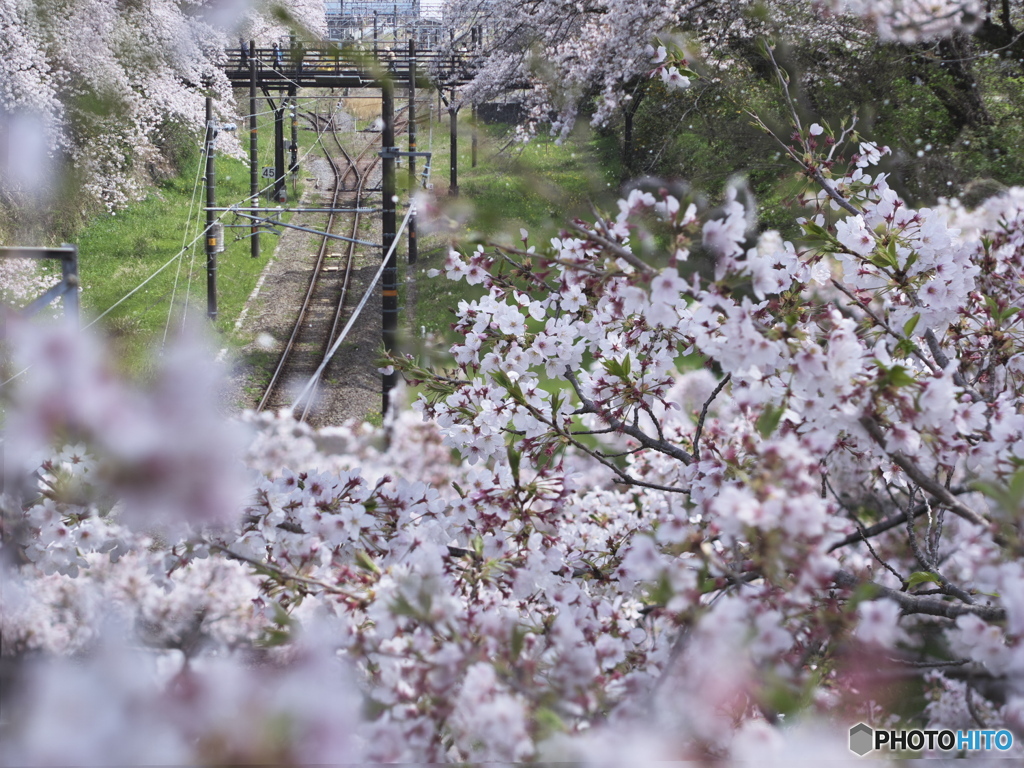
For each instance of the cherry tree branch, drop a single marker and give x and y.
(927, 483)
(624, 253)
(704, 413)
(919, 604)
(885, 525)
(661, 446)
(273, 570)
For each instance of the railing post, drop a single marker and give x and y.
(474, 141)
(69, 276)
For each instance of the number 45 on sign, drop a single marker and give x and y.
(268, 173)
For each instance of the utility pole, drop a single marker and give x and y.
(413, 247)
(254, 155)
(211, 216)
(389, 288)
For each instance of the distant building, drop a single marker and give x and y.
(367, 7)
(391, 20)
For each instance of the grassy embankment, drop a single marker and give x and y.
(537, 186)
(119, 251)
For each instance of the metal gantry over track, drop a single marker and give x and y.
(378, 64)
(297, 64)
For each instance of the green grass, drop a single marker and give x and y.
(537, 186)
(119, 251)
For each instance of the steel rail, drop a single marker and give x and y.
(361, 176)
(355, 208)
(283, 361)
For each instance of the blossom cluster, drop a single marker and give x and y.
(646, 510)
(555, 55)
(86, 86)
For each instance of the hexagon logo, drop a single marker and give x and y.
(862, 739)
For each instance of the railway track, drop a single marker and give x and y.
(331, 285)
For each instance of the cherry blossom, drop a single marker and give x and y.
(645, 512)
(87, 86)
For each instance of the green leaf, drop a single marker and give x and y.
(862, 593)
(548, 722)
(911, 324)
(516, 641)
(920, 577)
(514, 458)
(661, 592)
(769, 419)
(619, 368)
(815, 234)
(1010, 497)
(401, 606)
(365, 562)
(897, 376)
(271, 638)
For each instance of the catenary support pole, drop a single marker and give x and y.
(413, 247)
(280, 190)
(474, 141)
(389, 286)
(293, 109)
(211, 216)
(254, 154)
(453, 181)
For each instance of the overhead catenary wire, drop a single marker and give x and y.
(184, 237)
(191, 245)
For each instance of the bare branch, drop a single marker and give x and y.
(704, 413)
(662, 446)
(921, 605)
(916, 474)
(885, 525)
(624, 253)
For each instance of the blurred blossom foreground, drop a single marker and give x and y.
(634, 562)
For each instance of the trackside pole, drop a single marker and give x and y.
(473, 154)
(254, 155)
(280, 188)
(389, 284)
(293, 165)
(69, 276)
(211, 216)
(453, 182)
(413, 247)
